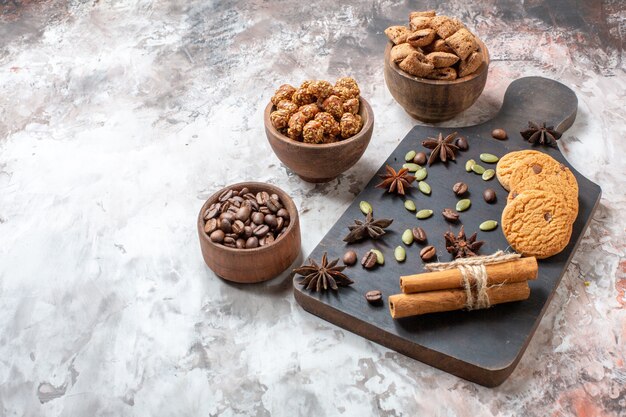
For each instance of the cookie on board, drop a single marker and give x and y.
(537, 223)
(540, 167)
(568, 189)
(505, 166)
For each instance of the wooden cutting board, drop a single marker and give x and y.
(483, 346)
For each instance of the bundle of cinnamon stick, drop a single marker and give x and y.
(455, 289)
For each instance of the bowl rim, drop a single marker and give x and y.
(483, 67)
(364, 107)
(285, 198)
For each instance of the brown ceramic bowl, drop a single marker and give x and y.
(324, 162)
(434, 101)
(258, 264)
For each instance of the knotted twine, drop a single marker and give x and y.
(473, 271)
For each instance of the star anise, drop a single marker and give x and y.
(370, 228)
(396, 181)
(321, 277)
(541, 134)
(442, 148)
(460, 246)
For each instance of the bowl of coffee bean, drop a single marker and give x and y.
(319, 129)
(249, 232)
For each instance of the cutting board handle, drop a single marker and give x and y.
(539, 100)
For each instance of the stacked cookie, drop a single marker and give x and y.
(435, 47)
(542, 204)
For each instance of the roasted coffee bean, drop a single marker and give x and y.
(374, 297)
(419, 235)
(229, 239)
(212, 211)
(210, 226)
(450, 215)
(274, 204)
(237, 227)
(349, 258)
(489, 195)
(225, 206)
(252, 242)
(230, 245)
(244, 191)
(235, 192)
(280, 222)
(269, 239)
(462, 144)
(249, 196)
(243, 213)
(264, 210)
(253, 204)
(275, 196)
(262, 197)
(261, 230)
(217, 236)
(237, 199)
(232, 209)
(240, 243)
(428, 253)
(247, 231)
(270, 220)
(283, 213)
(225, 226)
(225, 195)
(228, 216)
(369, 260)
(499, 134)
(257, 218)
(420, 158)
(459, 188)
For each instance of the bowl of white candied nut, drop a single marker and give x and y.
(319, 129)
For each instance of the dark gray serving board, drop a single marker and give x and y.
(483, 346)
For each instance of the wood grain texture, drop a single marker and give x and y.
(483, 346)
(323, 162)
(434, 101)
(258, 264)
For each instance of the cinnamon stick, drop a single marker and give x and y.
(406, 305)
(517, 270)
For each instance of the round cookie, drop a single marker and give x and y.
(537, 168)
(568, 189)
(505, 166)
(537, 223)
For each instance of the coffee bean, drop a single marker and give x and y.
(283, 213)
(462, 144)
(274, 204)
(270, 220)
(258, 218)
(240, 243)
(280, 222)
(459, 188)
(252, 242)
(243, 213)
(225, 226)
(244, 191)
(369, 260)
(212, 211)
(253, 204)
(419, 234)
(229, 240)
(275, 196)
(489, 195)
(225, 195)
(247, 231)
(217, 236)
(269, 239)
(450, 215)
(262, 197)
(249, 196)
(228, 216)
(210, 226)
(230, 245)
(225, 206)
(374, 297)
(264, 210)
(236, 200)
(499, 134)
(261, 230)
(428, 253)
(420, 158)
(237, 227)
(233, 209)
(349, 258)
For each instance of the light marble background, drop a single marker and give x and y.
(117, 120)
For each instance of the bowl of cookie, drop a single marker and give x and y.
(319, 129)
(435, 67)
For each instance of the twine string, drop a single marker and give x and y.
(474, 274)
